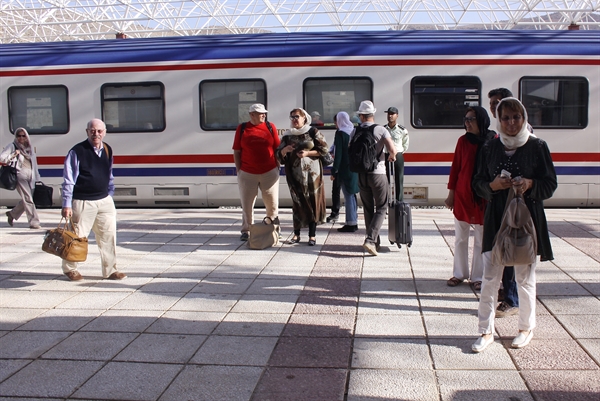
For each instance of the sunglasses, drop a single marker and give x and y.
(516, 117)
(295, 117)
(21, 136)
(470, 119)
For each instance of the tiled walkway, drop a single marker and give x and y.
(201, 317)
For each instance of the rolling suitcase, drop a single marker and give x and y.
(399, 216)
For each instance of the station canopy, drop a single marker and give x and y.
(62, 20)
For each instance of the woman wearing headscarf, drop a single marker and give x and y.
(340, 171)
(466, 205)
(516, 152)
(301, 149)
(27, 175)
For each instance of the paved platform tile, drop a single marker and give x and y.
(488, 385)
(545, 354)
(215, 383)
(129, 381)
(311, 352)
(43, 378)
(564, 385)
(373, 353)
(373, 385)
(301, 384)
(235, 350)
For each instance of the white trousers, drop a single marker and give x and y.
(99, 216)
(461, 251)
(492, 275)
(249, 185)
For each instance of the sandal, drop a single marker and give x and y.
(476, 285)
(312, 241)
(295, 239)
(453, 282)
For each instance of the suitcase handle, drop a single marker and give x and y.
(392, 182)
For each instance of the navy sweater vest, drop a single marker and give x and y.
(94, 172)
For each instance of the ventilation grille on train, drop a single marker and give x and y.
(167, 202)
(166, 191)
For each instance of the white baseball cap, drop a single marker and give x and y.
(366, 107)
(257, 107)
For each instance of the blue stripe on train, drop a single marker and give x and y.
(333, 45)
(230, 171)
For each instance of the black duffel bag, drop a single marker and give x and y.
(42, 195)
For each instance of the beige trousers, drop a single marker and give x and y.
(26, 203)
(249, 185)
(99, 216)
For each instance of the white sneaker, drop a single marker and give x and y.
(482, 343)
(371, 248)
(522, 339)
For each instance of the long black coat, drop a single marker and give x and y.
(532, 160)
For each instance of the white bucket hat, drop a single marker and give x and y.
(366, 107)
(257, 107)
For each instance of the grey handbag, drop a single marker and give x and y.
(264, 234)
(516, 240)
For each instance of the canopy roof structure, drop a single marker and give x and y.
(61, 20)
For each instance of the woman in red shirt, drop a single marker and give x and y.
(467, 206)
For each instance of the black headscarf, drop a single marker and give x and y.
(485, 134)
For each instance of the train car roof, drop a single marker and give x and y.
(298, 45)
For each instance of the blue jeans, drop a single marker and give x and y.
(511, 295)
(351, 207)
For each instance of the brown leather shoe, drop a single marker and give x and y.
(117, 276)
(74, 275)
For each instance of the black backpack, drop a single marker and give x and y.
(362, 151)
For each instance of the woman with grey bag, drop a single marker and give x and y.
(515, 161)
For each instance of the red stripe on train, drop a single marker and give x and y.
(228, 158)
(288, 64)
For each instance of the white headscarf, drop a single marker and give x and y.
(28, 152)
(343, 122)
(302, 130)
(513, 142)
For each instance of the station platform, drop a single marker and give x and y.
(202, 317)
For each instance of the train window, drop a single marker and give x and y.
(133, 107)
(39, 109)
(440, 102)
(555, 102)
(224, 104)
(325, 97)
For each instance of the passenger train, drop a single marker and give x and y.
(171, 105)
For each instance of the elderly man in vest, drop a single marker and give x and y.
(87, 192)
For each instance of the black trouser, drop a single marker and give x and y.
(312, 229)
(336, 187)
(398, 174)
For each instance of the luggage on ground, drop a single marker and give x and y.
(42, 195)
(399, 216)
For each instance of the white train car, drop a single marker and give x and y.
(171, 105)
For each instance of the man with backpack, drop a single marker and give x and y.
(367, 158)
